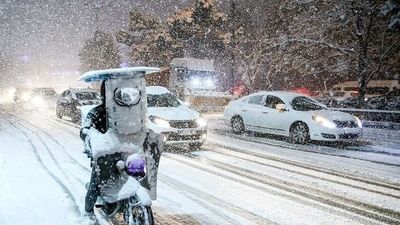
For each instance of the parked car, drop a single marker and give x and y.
(71, 100)
(171, 117)
(389, 101)
(290, 114)
(375, 88)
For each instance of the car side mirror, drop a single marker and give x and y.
(281, 107)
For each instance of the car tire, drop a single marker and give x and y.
(75, 118)
(237, 125)
(299, 133)
(59, 114)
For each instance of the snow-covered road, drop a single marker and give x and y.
(249, 179)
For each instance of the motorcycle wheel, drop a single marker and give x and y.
(140, 215)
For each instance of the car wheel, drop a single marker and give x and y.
(59, 114)
(75, 118)
(237, 125)
(299, 133)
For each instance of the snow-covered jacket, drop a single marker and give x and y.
(96, 118)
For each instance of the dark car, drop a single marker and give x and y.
(389, 101)
(71, 100)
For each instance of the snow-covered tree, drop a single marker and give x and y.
(200, 30)
(99, 52)
(374, 39)
(319, 43)
(149, 42)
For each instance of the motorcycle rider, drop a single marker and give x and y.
(96, 118)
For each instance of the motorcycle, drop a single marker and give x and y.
(121, 191)
(126, 157)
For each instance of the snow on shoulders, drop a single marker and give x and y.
(108, 143)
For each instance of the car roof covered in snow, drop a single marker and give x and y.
(156, 90)
(284, 95)
(100, 75)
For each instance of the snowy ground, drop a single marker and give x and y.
(247, 179)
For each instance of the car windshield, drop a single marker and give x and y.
(377, 90)
(303, 103)
(44, 91)
(163, 100)
(87, 96)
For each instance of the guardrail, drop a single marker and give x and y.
(374, 117)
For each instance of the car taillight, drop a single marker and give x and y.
(136, 168)
(354, 94)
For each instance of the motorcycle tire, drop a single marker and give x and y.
(140, 215)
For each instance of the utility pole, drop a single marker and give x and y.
(232, 77)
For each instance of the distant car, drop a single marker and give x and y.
(39, 98)
(389, 101)
(169, 116)
(71, 100)
(22, 94)
(290, 114)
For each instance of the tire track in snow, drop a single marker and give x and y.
(65, 152)
(359, 208)
(393, 186)
(101, 220)
(262, 177)
(51, 138)
(49, 172)
(205, 199)
(226, 152)
(50, 153)
(316, 151)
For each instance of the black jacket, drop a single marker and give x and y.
(96, 118)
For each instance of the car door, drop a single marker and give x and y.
(273, 120)
(251, 111)
(61, 102)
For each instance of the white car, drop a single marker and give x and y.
(290, 114)
(172, 118)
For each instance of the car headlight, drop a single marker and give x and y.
(160, 122)
(201, 122)
(320, 120)
(26, 96)
(358, 121)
